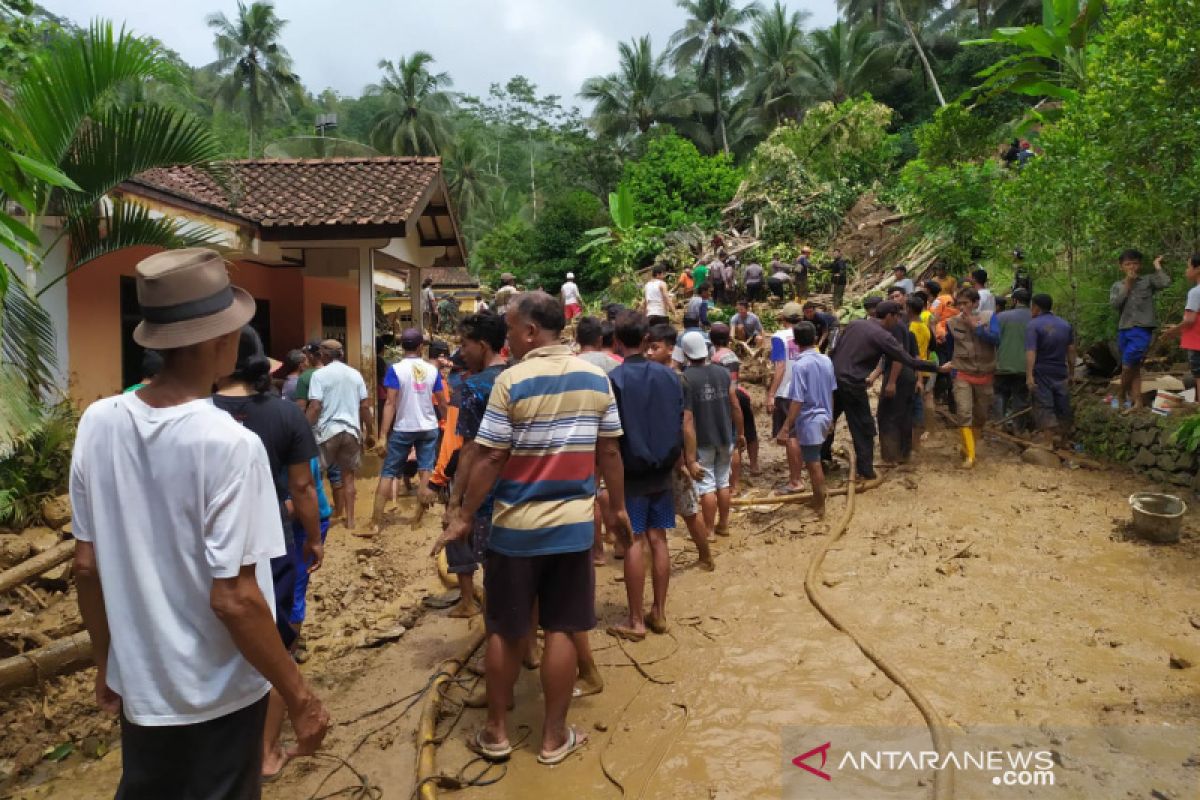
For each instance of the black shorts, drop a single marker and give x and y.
(747, 416)
(220, 759)
(563, 584)
(754, 292)
(779, 417)
(654, 319)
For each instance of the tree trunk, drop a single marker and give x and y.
(27, 669)
(721, 120)
(532, 180)
(32, 567)
(937, 89)
(982, 6)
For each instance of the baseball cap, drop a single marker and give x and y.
(411, 337)
(312, 348)
(791, 311)
(332, 344)
(507, 276)
(693, 345)
(570, 276)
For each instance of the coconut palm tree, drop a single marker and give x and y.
(65, 115)
(858, 10)
(846, 60)
(468, 173)
(776, 55)
(714, 39)
(415, 118)
(641, 94)
(257, 69)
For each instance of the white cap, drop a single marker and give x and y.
(693, 345)
(570, 276)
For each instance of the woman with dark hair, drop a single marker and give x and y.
(291, 448)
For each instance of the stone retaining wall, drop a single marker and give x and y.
(1142, 440)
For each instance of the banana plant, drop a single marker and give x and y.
(1052, 57)
(620, 210)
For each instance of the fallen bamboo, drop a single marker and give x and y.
(1078, 459)
(32, 567)
(427, 741)
(28, 669)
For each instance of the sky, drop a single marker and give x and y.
(338, 43)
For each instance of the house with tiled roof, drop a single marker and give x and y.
(313, 240)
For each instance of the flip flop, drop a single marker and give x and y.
(624, 633)
(491, 752)
(573, 743)
(659, 626)
(275, 775)
(591, 690)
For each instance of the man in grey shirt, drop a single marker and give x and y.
(753, 280)
(1133, 298)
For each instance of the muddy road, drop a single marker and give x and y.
(1012, 596)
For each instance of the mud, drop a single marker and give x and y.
(1012, 595)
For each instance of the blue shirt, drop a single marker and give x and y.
(1050, 337)
(323, 509)
(812, 386)
(472, 403)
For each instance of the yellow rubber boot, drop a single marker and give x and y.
(968, 437)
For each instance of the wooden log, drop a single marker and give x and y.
(32, 567)
(27, 669)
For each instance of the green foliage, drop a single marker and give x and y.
(847, 142)
(956, 134)
(1187, 435)
(952, 203)
(37, 468)
(1051, 58)
(558, 235)
(1121, 167)
(672, 185)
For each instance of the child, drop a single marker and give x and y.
(299, 606)
(1133, 298)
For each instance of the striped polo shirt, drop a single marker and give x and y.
(547, 411)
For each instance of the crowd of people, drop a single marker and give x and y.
(546, 454)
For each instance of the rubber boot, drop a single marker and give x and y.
(968, 437)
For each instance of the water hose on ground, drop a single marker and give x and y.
(943, 780)
(427, 740)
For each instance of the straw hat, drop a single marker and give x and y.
(186, 298)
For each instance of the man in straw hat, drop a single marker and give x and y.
(176, 520)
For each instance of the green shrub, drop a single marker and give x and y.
(673, 185)
(38, 468)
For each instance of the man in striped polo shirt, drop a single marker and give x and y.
(550, 424)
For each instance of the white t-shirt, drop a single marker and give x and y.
(656, 292)
(173, 498)
(417, 380)
(784, 348)
(570, 294)
(987, 302)
(341, 390)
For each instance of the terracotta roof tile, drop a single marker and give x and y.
(306, 192)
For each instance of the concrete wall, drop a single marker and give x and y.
(94, 302)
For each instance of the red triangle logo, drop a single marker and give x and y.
(800, 759)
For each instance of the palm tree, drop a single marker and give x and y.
(468, 174)
(253, 62)
(715, 40)
(640, 94)
(776, 55)
(414, 120)
(858, 10)
(65, 117)
(846, 60)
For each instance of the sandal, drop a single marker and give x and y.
(574, 742)
(490, 752)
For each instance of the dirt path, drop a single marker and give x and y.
(1010, 595)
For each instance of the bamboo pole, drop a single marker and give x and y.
(32, 567)
(427, 742)
(770, 500)
(28, 669)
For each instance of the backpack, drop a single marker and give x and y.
(650, 399)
